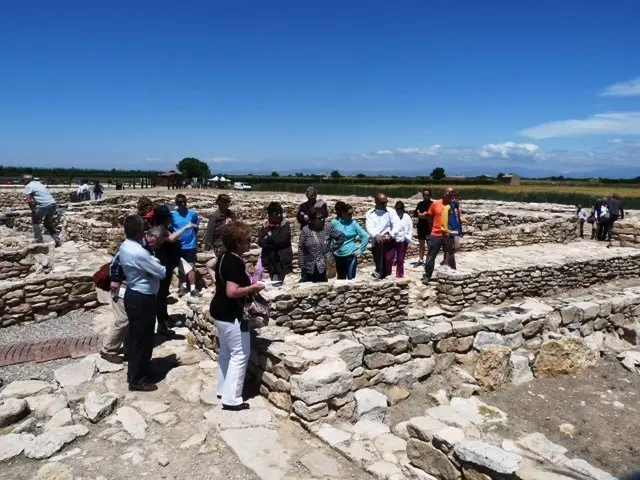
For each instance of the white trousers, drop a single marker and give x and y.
(233, 357)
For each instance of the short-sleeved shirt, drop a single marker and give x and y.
(189, 239)
(423, 206)
(40, 194)
(435, 212)
(228, 268)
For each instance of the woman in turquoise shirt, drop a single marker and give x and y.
(347, 255)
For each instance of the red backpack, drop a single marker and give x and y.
(102, 278)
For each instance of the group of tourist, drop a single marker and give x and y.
(84, 191)
(604, 214)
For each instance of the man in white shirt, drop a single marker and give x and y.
(43, 208)
(143, 273)
(383, 226)
(582, 217)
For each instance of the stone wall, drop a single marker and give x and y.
(44, 296)
(458, 290)
(341, 305)
(14, 199)
(627, 232)
(312, 376)
(555, 230)
(20, 261)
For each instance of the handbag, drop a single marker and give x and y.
(591, 218)
(329, 260)
(256, 309)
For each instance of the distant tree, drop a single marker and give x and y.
(361, 175)
(438, 173)
(335, 174)
(193, 168)
(299, 174)
(500, 176)
(275, 174)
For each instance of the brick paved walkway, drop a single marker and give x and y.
(53, 349)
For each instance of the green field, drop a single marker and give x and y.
(538, 193)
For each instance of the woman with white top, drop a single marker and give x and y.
(403, 238)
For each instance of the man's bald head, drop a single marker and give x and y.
(447, 192)
(381, 201)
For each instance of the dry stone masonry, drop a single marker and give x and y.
(336, 356)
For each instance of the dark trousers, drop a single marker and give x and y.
(44, 216)
(602, 229)
(401, 253)
(141, 311)
(609, 226)
(435, 244)
(383, 257)
(346, 267)
(162, 302)
(315, 277)
(581, 225)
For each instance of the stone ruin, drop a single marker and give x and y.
(336, 355)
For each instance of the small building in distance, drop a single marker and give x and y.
(510, 179)
(168, 179)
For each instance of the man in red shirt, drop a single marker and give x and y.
(436, 239)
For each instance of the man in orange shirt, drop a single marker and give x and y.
(436, 239)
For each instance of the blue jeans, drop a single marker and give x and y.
(346, 267)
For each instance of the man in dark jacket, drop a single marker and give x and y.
(306, 207)
(213, 235)
(615, 212)
(274, 237)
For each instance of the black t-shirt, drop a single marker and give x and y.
(228, 268)
(422, 207)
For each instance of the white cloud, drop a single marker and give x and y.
(505, 150)
(610, 159)
(620, 123)
(629, 88)
(154, 160)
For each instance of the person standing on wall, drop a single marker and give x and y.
(436, 239)
(424, 224)
(215, 226)
(382, 225)
(181, 217)
(403, 238)
(43, 208)
(305, 208)
(355, 243)
(274, 237)
(143, 273)
(451, 227)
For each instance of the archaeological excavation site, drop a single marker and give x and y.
(523, 363)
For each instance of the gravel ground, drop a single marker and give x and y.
(74, 324)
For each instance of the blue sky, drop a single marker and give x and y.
(359, 86)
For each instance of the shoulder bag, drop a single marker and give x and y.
(256, 309)
(329, 259)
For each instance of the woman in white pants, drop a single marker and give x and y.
(233, 285)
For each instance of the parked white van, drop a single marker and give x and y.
(241, 186)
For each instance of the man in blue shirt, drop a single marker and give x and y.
(181, 217)
(143, 273)
(43, 208)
